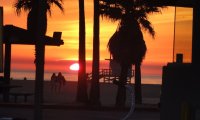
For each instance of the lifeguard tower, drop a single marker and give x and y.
(112, 73)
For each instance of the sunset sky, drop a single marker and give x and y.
(159, 50)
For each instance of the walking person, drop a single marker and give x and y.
(53, 82)
(61, 80)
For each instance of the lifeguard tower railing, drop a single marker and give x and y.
(108, 77)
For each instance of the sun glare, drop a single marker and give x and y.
(74, 67)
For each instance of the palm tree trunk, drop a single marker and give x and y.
(82, 82)
(121, 92)
(39, 79)
(95, 90)
(138, 89)
(39, 33)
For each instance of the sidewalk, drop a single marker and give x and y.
(62, 105)
(61, 114)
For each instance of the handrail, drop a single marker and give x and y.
(107, 74)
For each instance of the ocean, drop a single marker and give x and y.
(151, 72)
(30, 75)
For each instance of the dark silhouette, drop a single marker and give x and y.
(57, 82)
(127, 45)
(37, 25)
(53, 82)
(95, 89)
(82, 95)
(25, 78)
(61, 80)
(21, 36)
(28, 6)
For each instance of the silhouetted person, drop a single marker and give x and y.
(25, 78)
(53, 82)
(61, 80)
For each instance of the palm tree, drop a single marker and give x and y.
(82, 81)
(95, 90)
(37, 25)
(28, 6)
(127, 45)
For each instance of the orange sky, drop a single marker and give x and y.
(159, 49)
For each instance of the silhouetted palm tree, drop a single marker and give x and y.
(37, 25)
(95, 90)
(82, 81)
(127, 45)
(28, 6)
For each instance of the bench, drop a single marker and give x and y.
(25, 95)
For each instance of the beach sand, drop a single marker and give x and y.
(67, 96)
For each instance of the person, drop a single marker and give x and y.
(61, 80)
(25, 78)
(53, 82)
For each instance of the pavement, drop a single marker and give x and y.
(62, 106)
(79, 112)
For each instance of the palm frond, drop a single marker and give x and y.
(59, 4)
(147, 26)
(26, 5)
(22, 5)
(109, 12)
(152, 10)
(140, 14)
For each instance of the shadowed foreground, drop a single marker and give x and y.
(61, 105)
(61, 114)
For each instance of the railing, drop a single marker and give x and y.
(108, 76)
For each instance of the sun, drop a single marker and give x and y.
(74, 67)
